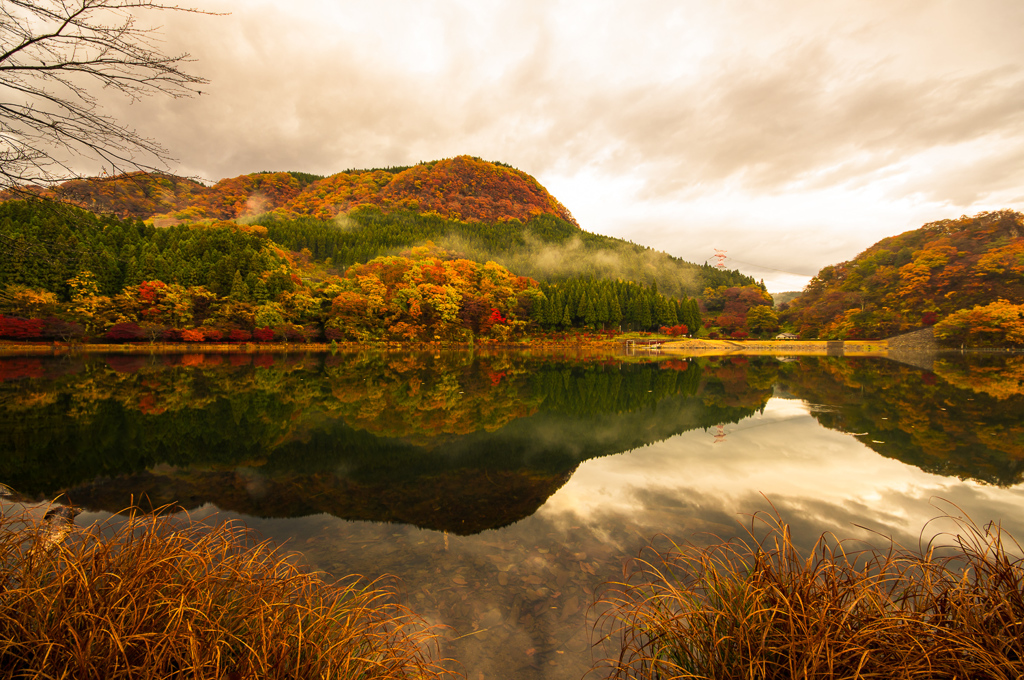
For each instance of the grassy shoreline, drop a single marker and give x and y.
(153, 597)
(760, 608)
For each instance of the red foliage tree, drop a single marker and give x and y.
(125, 331)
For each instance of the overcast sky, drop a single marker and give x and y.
(792, 134)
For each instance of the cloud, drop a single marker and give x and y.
(304, 87)
(791, 123)
(505, 83)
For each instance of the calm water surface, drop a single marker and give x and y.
(503, 490)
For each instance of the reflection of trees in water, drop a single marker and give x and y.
(962, 427)
(999, 376)
(313, 430)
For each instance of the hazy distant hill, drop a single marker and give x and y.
(916, 278)
(786, 297)
(484, 210)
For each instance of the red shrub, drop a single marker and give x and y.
(17, 328)
(125, 332)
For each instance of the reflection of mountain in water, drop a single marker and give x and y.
(964, 420)
(453, 441)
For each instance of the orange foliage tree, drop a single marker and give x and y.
(994, 325)
(422, 296)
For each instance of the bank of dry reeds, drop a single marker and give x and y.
(759, 609)
(153, 597)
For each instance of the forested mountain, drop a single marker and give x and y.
(67, 273)
(938, 272)
(484, 211)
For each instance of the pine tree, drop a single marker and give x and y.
(239, 291)
(692, 318)
(259, 291)
(538, 311)
(589, 312)
(602, 307)
(663, 315)
(614, 311)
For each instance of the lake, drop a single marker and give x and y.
(503, 489)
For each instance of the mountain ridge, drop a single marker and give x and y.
(464, 188)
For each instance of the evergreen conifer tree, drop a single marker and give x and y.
(239, 291)
(589, 312)
(614, 311)
(259, 291)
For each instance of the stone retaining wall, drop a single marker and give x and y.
(917, 348)
(915, 341)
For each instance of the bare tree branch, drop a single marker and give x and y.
(53, 55)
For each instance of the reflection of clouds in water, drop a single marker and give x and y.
(818, 479)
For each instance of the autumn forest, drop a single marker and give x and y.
(451, 251)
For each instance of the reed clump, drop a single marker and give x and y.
(757, 608)
(154, 597)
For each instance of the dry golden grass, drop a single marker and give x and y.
(757, 608)
(151, 597)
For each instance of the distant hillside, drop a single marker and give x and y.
(483, 210)
(916, 278)
(785, 298)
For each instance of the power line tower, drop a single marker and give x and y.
(720, 258)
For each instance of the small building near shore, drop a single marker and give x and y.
(787, 336)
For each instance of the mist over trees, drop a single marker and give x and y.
(545, 248)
